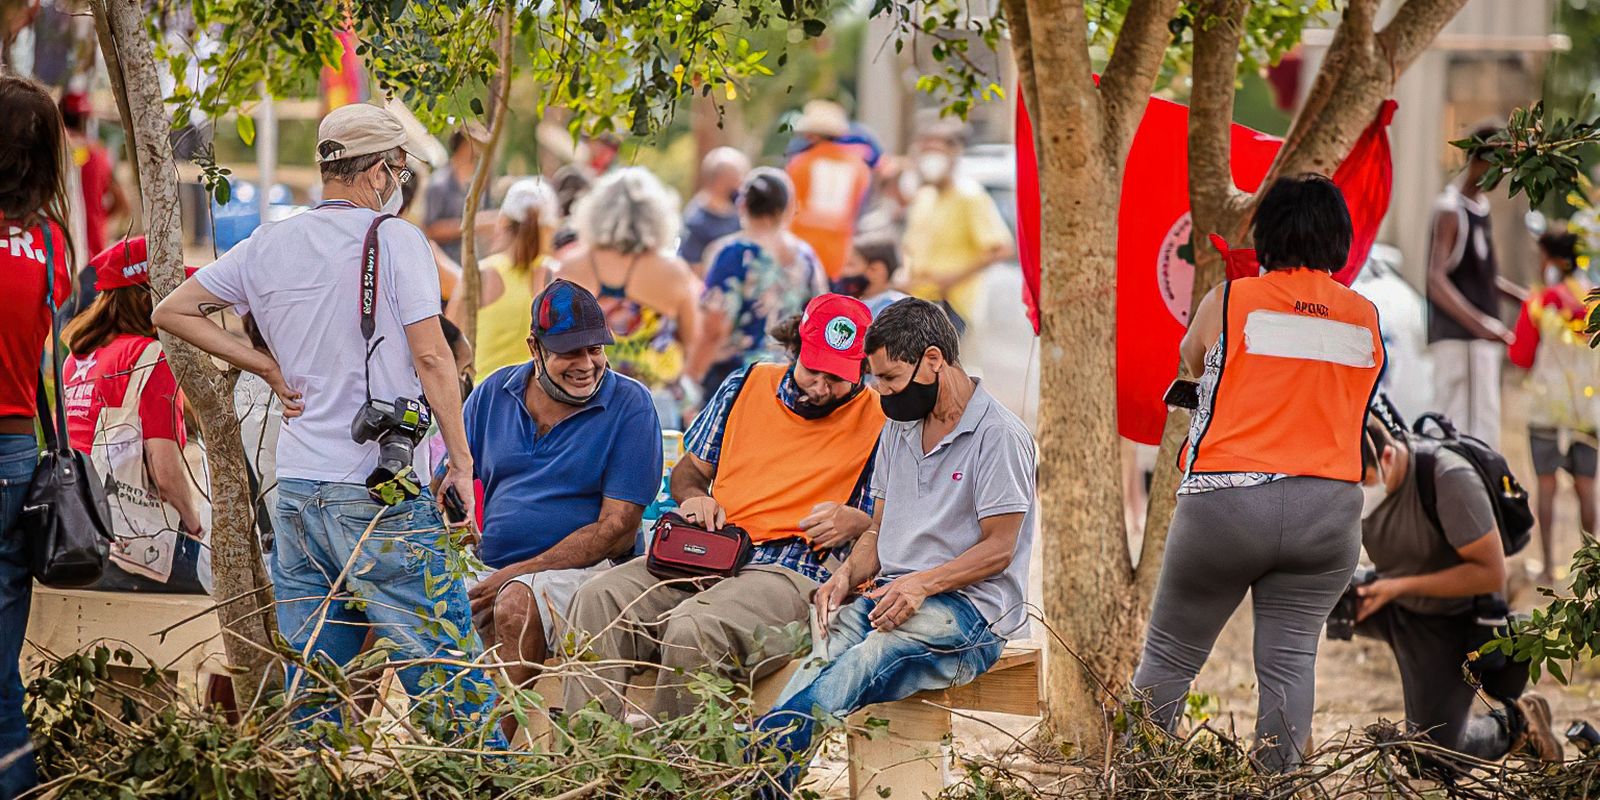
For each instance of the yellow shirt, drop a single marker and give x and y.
(946, 233)
(503, 325)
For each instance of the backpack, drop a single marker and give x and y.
(1512, 515)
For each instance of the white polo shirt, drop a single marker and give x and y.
(301, 279)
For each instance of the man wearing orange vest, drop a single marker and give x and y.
(831, 178)
(784, 451)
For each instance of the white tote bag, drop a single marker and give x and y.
(146, 528)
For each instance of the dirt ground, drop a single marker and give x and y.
(1357, 682)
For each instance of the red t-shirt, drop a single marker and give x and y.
(26, 323)
(94, 172)
(101, 379)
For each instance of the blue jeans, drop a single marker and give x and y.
(18, 455)
(946, 643)
(395, 583)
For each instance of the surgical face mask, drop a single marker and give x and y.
(1552, 275)
(934, 167)
(560, 395)
(913, 402)
(392, 205)
(1373, 496)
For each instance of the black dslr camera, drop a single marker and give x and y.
(397, 428)
(1342, 620)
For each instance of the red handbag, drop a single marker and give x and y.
(682, 550)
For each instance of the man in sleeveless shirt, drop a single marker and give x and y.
(1465, 334)
(784, 451)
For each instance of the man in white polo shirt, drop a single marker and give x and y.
(947, 558)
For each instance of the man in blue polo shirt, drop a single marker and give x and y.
(569, 453)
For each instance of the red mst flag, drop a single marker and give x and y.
(1155, 261)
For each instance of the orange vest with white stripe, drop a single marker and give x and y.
(1302, 360)
(776, 465)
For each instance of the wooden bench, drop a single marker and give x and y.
(908, 758)
(65, 621)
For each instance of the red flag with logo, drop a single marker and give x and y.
(1155, 260)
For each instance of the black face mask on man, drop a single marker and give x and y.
(554, 390)
(913, 402)
(850, 285)
(809, 410)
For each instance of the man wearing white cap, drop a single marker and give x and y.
(347, 301)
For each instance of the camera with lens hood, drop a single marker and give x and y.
(1342, 620)
(397, 427)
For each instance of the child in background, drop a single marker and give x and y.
(869, 272)
(1563, 377)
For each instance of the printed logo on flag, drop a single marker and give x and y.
(841, 333)
(1175, 268)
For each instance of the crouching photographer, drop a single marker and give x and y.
(1431, 528)
(346, 299)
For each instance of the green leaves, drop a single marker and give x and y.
(1564, 632)
(1539, 151)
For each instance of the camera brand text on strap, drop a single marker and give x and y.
(371, 250)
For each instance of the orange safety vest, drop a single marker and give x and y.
(830, 181)
(776, 465)
(1302, 360)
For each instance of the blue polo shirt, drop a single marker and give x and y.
(538, 489)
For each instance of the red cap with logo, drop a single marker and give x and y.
(123, 264)
(833, 336)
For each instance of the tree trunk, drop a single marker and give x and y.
(1085, 556)
(471, 278)
(241, 583)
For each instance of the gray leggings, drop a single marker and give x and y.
(1292, 544)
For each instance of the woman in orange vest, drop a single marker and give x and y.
(1270, 501)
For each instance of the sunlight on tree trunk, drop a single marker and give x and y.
(471, 287)
(240, 581)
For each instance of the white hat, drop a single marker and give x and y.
(528, 197)
(358, 129)
(823, 118)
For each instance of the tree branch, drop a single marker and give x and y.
(1219, 29)
(1414, 26)
(1130, 75)
(1021, 35)
(471, 285)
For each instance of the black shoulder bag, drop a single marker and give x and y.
(65, 520)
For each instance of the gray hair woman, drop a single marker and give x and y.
(627, 225)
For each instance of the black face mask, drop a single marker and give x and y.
(559, 394)
(809, 410)
(850, 286)
(912, 403)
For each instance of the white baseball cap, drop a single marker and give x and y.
(358, 129)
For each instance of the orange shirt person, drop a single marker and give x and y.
(831, 179)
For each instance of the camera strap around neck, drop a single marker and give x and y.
(370, 252)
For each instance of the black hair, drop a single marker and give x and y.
(570, 184)
(879, 248)
(452, 334)
(1302, 221)
(786, 334)
(908, 327)
(458, 138)
(765, 194)
(1560, 244)
(1482, 133)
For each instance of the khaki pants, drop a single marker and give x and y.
(741, 629)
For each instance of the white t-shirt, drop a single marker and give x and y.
(301, 279)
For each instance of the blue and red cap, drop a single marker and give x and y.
(566, 318)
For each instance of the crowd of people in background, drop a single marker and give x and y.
(802, 324)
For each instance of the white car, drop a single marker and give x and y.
(1403, 319)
